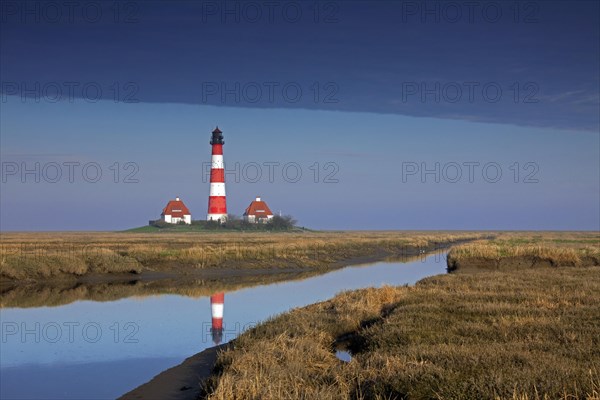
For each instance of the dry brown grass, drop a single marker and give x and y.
(35, 256)
(521, 249)
(457, 336)
(504, 334)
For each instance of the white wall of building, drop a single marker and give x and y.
(175, 220)
(252, 219)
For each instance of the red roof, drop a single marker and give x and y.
(176, 208)
(259, 209)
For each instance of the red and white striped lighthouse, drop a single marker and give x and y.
(217, 205)
(217, 302)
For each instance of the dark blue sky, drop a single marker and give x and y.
(376, 54)
(496, 82)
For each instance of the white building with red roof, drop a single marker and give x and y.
(175, 212)
(258, 212)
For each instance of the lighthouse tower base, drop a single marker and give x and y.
(217, 217)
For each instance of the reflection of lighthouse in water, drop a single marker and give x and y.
(217, 302)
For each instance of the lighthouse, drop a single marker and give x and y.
(217, 206)
(217, 302)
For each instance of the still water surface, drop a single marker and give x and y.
(101, 350)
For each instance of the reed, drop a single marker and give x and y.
(40, 256)
(501, 333)
(549, 248)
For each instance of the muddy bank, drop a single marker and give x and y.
(180, 382)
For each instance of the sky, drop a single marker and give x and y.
(346, 115)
